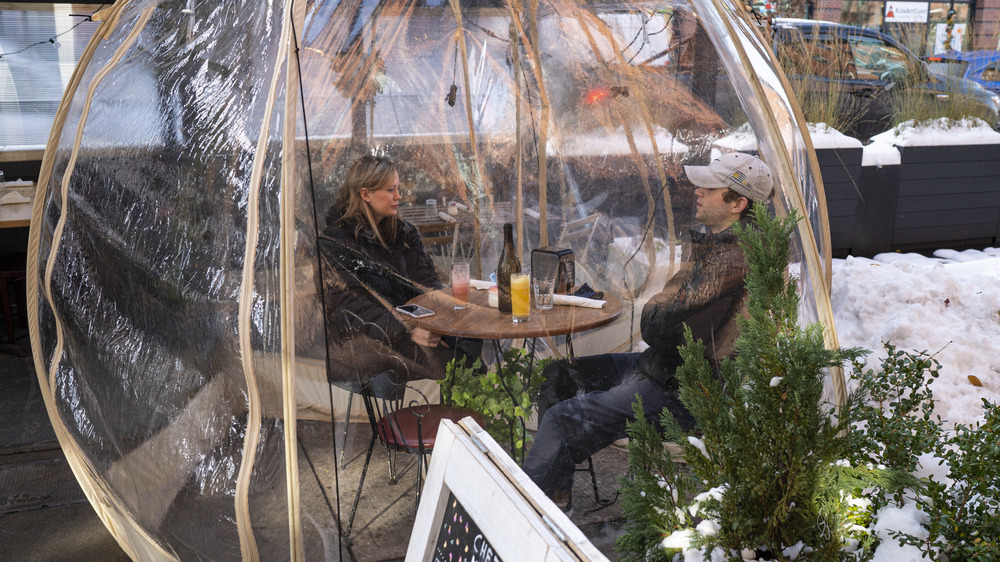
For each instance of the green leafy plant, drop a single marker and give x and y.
(776, 467)
(503, 398)
(895, 422)
(767, 437)
(655, 492)
(963, 522)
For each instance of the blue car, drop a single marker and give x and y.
(980, 66)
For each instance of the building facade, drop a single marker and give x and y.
(925, 27)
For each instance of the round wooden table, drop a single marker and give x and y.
(482, 321)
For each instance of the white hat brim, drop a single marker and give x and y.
(702, 176)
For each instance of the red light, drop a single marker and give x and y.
(596, 95)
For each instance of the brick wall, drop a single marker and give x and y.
(829, 10)
(986, 26)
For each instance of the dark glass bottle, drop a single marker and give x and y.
(507, 265)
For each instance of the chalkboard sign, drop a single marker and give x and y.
(459, 538)
(474, 490)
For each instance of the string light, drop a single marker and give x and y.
(52, 40)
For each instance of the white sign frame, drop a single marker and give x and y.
(906, 12)
(516, 518)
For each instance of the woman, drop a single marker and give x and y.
(373, 261)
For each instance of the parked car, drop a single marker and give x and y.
(871, 77)
(983, 67)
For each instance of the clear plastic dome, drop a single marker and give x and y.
(179, 330)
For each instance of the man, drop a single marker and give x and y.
(584, 403)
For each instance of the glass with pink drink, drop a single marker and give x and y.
(460, 284)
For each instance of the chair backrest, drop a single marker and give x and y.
(577, 228)
(383, 391)
(439, 236)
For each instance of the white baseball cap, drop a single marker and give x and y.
(745, 174)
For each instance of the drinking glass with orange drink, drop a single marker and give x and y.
(520, 296)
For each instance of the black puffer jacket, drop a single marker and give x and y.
(368, 280)
(706, 294)
(363, 282)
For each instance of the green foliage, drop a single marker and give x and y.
(504, 399)
(895, 411)
(767, 437)
(654, 492)
(963, 522)
(780, 468)
(780, 437)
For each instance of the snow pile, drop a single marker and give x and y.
(881, 153)
(946, 307)
(742, 139)
(823, 136)
(940, 132)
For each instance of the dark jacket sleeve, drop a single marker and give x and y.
(348, 298)
(702, 298)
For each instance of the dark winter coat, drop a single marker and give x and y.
(363, 282)
(706, 295)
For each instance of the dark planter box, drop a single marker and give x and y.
(840, 169)
(876, 209)
(948, 195)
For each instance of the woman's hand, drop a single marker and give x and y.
(422, 337)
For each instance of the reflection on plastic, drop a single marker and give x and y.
(161, 285)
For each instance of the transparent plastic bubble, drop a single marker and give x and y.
(189, 183)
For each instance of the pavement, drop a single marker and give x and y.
(44, 515)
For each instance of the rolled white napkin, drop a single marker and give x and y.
(447, 218)
(571, 300)
(479, 284)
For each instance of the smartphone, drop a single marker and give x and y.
(415, 311)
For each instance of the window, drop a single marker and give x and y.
(947, 67)
(992, 72)
(876, 60)
(826, 56)
(34, 71)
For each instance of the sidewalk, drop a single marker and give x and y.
(44, 515)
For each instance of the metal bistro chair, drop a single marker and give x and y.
(440, 240)
(412, 428)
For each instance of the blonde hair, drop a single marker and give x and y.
(371, 173)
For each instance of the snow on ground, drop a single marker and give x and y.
(947, 305)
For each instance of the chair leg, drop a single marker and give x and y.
(393, 477)
(361, 485)
(347, 428)
(601, 502)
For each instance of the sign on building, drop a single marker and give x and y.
(941, 43)
(906, 12)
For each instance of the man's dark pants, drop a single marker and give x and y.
(582, 407)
